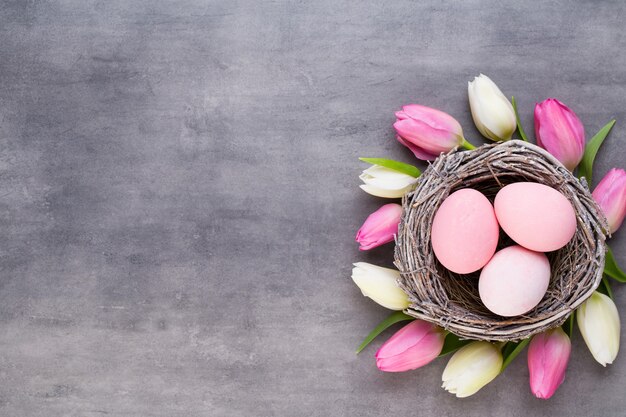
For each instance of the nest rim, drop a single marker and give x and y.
(451, 300)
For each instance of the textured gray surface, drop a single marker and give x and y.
(179, 196)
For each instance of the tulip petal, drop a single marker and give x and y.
(380, 227)
(413, 357)
(413, 346)
(492, 112)
(380, 284)
(384, 182)
(401, 115)
(560, 132)
(429, 138)
(417, 151)
(432, 117)
(548, 355)
(599, 323)
(386, 178)
(427, 132)
(404, 338)
(610, 194)
(471, 368)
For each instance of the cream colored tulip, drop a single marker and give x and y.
(598, 321)
(384, 182)
(492, 112)
(380, 284)
(471, 368)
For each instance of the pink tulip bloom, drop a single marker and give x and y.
(548, 354)
(379, 227)
(427, 132)
(559, 131)
(610, 194)
(414, 345)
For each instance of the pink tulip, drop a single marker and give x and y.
(379, 227)
(548, 354)
(427, 132)
(414, 345)
(610, 194)
(560, 132)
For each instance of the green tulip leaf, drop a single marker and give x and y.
(612, 269)
(586, 164)
(511, 350)
(519, 123)
(452, 343)
(568, 326)
(395, 165)
(393, 318)
(467, 145)
(605, 287)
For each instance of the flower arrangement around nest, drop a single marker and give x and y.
(497, 247)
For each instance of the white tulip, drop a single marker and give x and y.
(380, 284)
(385, 182)
(471, 368)
(493, 114)
(599, 324)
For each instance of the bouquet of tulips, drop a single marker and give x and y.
(428, 132)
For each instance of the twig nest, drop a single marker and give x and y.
(452, 300)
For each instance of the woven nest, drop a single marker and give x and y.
(451, 300)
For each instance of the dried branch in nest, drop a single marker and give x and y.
(452, 300)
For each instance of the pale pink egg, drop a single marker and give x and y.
(514, 281)
(535, 216)
(465, 231)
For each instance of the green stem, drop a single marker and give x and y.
(393, 318)
(511, 350)
(465, 144)
(607, 286)
(452, 343)
(520, 129)
(568, 326)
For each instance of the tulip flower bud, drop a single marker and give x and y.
(380, 227)
(427, 132)
(610, 194)
(385, 182)
(471, 368)
(493, 114)
(380, 284)
(413, 346)
(548, 354)
(598, 322)
(559, 131)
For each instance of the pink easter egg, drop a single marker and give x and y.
(535, 216)
(465, 231)
(514, 281)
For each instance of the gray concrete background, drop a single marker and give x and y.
(179, 196)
